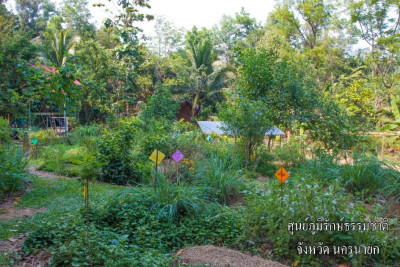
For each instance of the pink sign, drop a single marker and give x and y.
(177, 156)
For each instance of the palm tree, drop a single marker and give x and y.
(207, 77)
(62, 44)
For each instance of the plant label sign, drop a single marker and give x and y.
(34, 141)
(157, 156)
(282, 175)
(177, 156)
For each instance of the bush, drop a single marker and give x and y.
(170, 200)
(367, 175)
(4, 131)
(322, 166)
(83, 133)
(63, 159)
(267, 218)
(264, 163)
(12, 169)
(290, 153)
(220, 176)
(114, 153)
(45, 137)
(160, 106)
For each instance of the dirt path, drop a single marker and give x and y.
(8, 211)
(32, 170)
(13, 248)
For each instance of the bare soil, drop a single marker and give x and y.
(32, 170)
(13, 248)
(220, 257)
(8, 211)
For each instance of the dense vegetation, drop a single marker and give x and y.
(325, 72)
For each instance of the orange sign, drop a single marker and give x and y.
(282, 175)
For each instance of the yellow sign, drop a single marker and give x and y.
(282, 175)
(157, 156)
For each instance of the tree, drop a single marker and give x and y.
(236, 33)
(377, 23)
(34, 15)
(207, 76)
(62, 44)
(277, 82)
(168, 38)
(76, 15)
(247, 119)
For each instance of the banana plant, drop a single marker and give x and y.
(391, 120)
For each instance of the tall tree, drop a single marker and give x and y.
(34, 15)
(377, 23)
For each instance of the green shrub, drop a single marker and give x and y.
(114, 152)
(367, 175)
(12, 169)
(156, 134)
(161, 105)
(290, 153)
(4, 131)
(45, 137)
(84, 133)
(322, 166)
(220, 176)
(264, 163)
(62, 159)
(307, 201)
(170, 200)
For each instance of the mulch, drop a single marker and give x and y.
(220, 257)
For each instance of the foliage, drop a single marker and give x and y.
(114, 152)
(13, 169)
(221, 177)
(170, 200)
(367, 175)
(308, 198)
(160, 106)
(279, 84)
(45, 137)
(63, 159)
(264, 163)
(248, 120)
(5, 136)
(84, 133)
(290, 153)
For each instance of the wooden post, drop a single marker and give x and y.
(155, 177)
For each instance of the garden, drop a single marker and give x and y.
(104, 160)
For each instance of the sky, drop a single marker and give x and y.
(189, 13)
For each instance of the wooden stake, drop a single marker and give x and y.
(155, 177)
(87, 220)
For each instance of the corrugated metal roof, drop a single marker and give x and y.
(209, 127)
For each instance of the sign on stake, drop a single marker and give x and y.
(177, 156)
(282, 176)
(156, 157)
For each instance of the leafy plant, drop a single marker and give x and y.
(366, 175)
(114, 152)
(13, 170)
(4, 131)
(221, 178)
(170, 200)
(45, 137)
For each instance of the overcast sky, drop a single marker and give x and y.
(187, 13)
